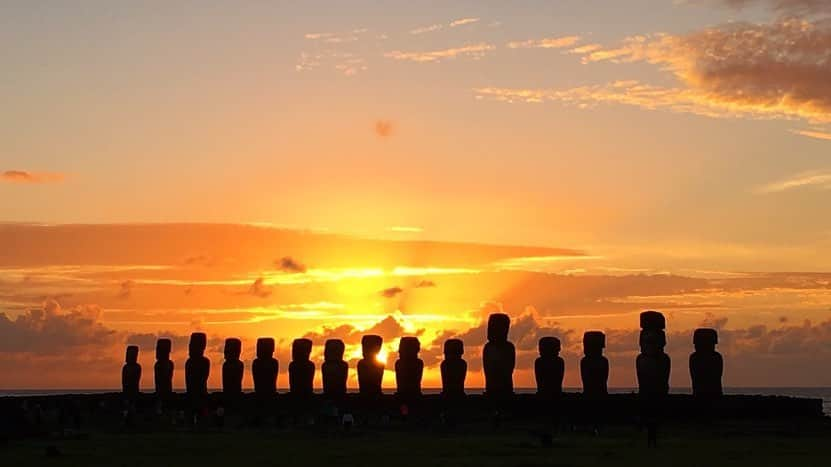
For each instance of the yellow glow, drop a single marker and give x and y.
(381, 357)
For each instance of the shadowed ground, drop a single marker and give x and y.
(757, 445)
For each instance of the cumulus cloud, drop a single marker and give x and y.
(290, 265)
(474, 51)
(388, 328)
(51, 330)
(545, 43)
(22, 176)
(763, 71)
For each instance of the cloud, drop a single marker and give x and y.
(259, 289)
(426, 29)
(405, 229)
(126, 289)
(290, 265)
(815, 179)
(391, 292)
(757, 71)
(51, 330)
(388, 328)
(424, 284)
(475, 51)
(545, 43)
(816, 134)
(22, 176)
(463, 21)
(782, 6)
(383, 128)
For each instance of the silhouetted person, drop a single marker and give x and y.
(265, 367)
(409, 368)
(334, 370)
(549, 368)
(131, 372)
(594, 367)
(453, 369)
(370, 370)
(706, 365)
(301, 369)
(232, 368)
(163, 369)
(197, 367)
(499, 357)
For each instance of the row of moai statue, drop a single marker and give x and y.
(499, 360)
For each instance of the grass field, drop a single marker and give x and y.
(748, 445)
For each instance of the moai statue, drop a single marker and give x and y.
(549, 368)
(197, 367)
(131, 372)
(409, 368)
(653, 365)
(594, 367)
(706, 365)
(301, 369)
(499, 357)
(453, 369)
(265, 367)
(334, 370)
(163, 369)
(370, 370)
(233, 368)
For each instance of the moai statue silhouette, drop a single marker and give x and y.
(131, 372)
(232, 368)
(409, 368)
(197, 367)
(653, 365)
(549, 368)
(594, 367)
(370, 369)
(706, 365)
(499, 358)
(301, 369)
(163, 369)
(265, 367)
(453, 369)
(334, 370)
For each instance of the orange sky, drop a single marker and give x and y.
(328, 168)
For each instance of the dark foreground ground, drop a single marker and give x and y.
(780, 443)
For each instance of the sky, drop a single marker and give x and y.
(326, 169)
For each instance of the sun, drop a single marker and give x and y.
(381, 357)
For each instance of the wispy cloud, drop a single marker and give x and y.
(545, 43)
(405, 229)
(426, 29)
(22, 176)
(815, 179)
(439, 26)
(761, 71)
(816, 134)
(463, 21)
(475, 51)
